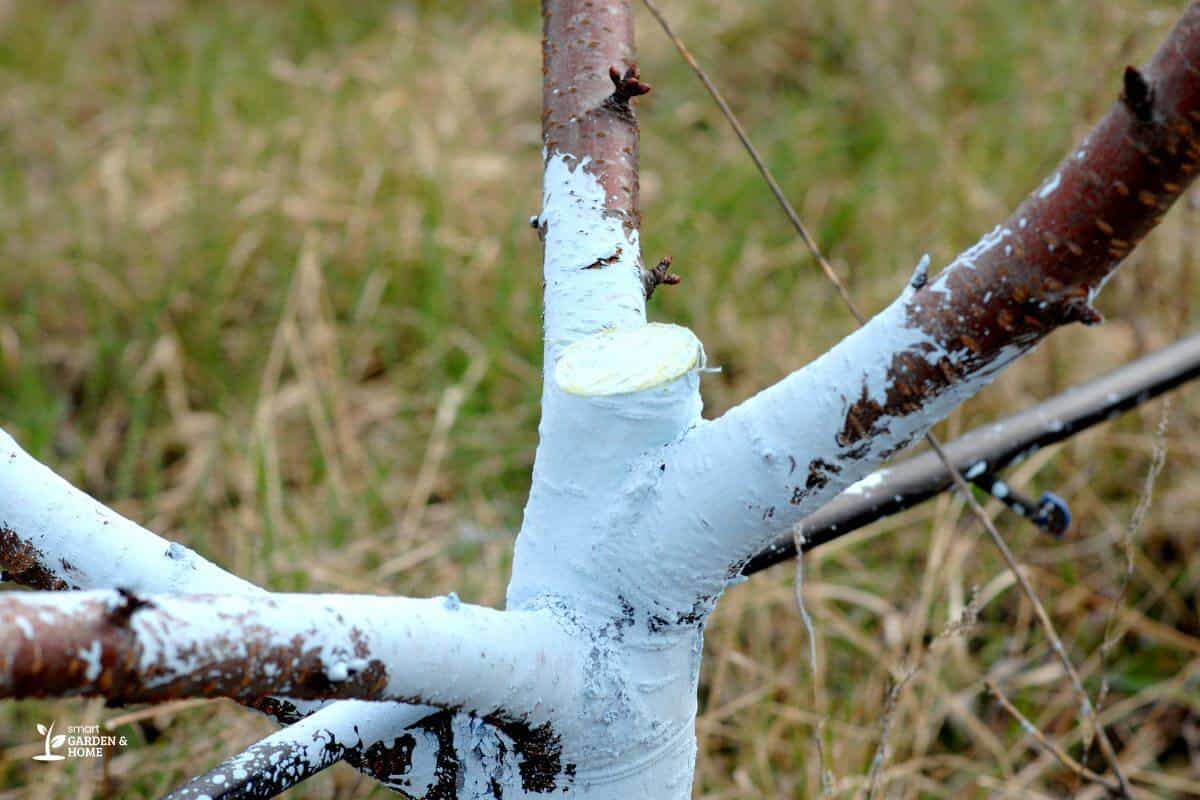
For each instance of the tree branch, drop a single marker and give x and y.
(589, 219)
(378, 736)
(595, 287)
(991, 447)
(53, 536)
(132, 648)
(788, 450)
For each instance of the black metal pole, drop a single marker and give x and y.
(987, 450)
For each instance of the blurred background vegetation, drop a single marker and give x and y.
(267, 286)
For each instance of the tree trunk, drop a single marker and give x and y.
(640, 512)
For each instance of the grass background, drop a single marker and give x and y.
(266, 286)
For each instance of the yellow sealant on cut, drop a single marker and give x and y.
(628, 360)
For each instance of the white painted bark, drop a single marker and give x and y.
(735, 483)
(86, 545)
(640, 512)
(296, 752)
(437, 651)
(80, 543)
(592, 267)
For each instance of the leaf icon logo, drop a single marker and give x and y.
(49, 742)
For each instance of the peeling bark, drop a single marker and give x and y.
(27, 565)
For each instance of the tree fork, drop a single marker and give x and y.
(630, 534)
(797, 444)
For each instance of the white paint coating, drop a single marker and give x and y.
(311, 744)
(638, 514)
(91, 657)
(734, 484)
(1050, 187)
(985, 243)
(592, 267)
(88, 544)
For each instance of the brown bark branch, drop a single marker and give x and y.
(148, 649)
(589, 78)
(1042, 267)
(795, 445)
(88, 646)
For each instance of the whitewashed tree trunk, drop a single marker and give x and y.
(640, 513)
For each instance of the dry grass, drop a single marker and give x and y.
(267, 287)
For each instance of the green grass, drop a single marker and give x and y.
(247, 248)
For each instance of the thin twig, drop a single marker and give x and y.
(1157, 461)
(968, 619)
(1050, 747)
(792, 216)
(1048, 626)
(1111, 637)
(827, 777)
(885, 729)
(1085, 700)
(161, 710)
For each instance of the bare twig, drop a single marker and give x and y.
(1085, 700)
(1157, 461)
(827, 778)
(885, 728)
(967, 619)
(1053, 749)
(1111, 637)
(776, 190)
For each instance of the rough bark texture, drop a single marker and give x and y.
(1043, 266)
(131, 648)
(585, 107)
